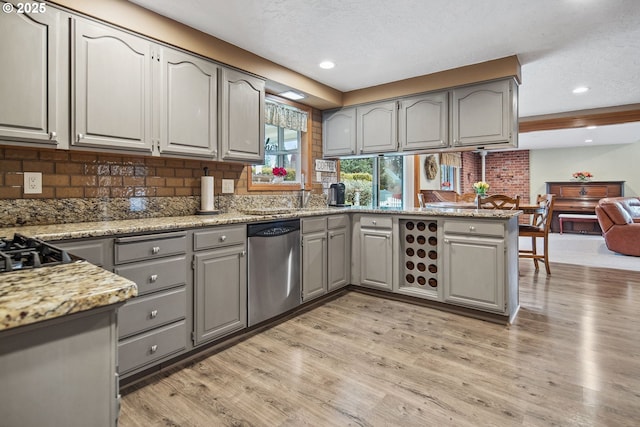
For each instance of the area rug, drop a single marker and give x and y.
(587, 250)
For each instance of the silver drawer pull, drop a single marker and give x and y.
(155, 250)
(472, 228)
(153, 314)
(153, 348)
(223, 238)
(373, 222)
(52, 135)
(153, 278)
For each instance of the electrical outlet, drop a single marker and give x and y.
(33, 183)
(227, 186)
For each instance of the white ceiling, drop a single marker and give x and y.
(561, 44)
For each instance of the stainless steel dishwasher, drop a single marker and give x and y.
(274, 269)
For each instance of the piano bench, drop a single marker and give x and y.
(575, 218)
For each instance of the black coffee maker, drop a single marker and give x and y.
(336, 195)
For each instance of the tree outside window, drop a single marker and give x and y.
(373, 181)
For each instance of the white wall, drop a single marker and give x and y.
(426, 184)
(606, 162)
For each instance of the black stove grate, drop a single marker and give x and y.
(23, 252)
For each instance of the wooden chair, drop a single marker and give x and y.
(466, 197)
(498, 201)
(540, 226)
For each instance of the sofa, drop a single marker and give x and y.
(619, 218)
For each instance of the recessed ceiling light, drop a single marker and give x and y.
(327, 65)
(588, 140)
(292, 95)
(592, 127)
(581, 89)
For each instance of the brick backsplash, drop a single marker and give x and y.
(71, 174)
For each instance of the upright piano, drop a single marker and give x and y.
(576, 197)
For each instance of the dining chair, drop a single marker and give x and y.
(539, 228)
(466, 197)
(498, 201)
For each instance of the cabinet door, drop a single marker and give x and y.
(242, 112)
(485, 114)
(474, 272)
(338, 258)
(188, 105)
(29, 82)
(377, 128)
(314, 265)
(339, 132)
(424, 122)
(376, 267)
(220, 293)
(112, 88)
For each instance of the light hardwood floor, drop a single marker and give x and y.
(571, 358)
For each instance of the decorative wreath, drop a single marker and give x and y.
(431, 167)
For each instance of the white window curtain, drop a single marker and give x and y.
(451, 159)
(285, 117)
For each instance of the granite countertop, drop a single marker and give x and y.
(110, 228)
(35, 295)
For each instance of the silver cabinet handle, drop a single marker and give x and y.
(80, 136)
(223, 238)
(155, 250)
(331, 236)
(472, 228)
(373, 222)
(446, 240)
(153, 348)
(243, 253)
(153, 278)
(153, 314)
(52, 135)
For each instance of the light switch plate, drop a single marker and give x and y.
(33, 183)
(227, 186)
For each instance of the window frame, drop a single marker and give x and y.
(306, 141)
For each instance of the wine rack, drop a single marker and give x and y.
(419, 241)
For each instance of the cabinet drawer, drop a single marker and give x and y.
(151, 311)
(95, 251)
(475, 228)
(337, 221)
(218, 237)
(157, 274)
(375, 222)
(139, 350)
(312, 225)
(138, 248)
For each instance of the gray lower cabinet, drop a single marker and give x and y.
(111, 86)
(376, 252)
(242, 117)
(339, 132)
(485, 114)
(325, 254)
(155, 325)
(96, 251)
(474, 264)
(32, 68)
(220, 282)
(61, 372)
(188, 110)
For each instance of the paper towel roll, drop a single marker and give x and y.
(206, 193)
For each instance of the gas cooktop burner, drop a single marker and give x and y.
(23, 252)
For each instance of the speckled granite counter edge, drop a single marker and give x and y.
(31, 296)
(130, 226)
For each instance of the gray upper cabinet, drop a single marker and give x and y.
(111, 84)
(339, 132)
(485, 114)
(30, 77)
(424, 122)
(188, 104)
(377, 128)
(242, 117)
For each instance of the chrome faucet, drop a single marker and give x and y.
(304, 198)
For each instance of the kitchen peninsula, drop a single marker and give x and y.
(462, 260)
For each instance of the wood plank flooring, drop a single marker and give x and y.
(571, 358)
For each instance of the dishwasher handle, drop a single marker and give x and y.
(275, 231)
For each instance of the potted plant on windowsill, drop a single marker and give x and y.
(278, 174)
